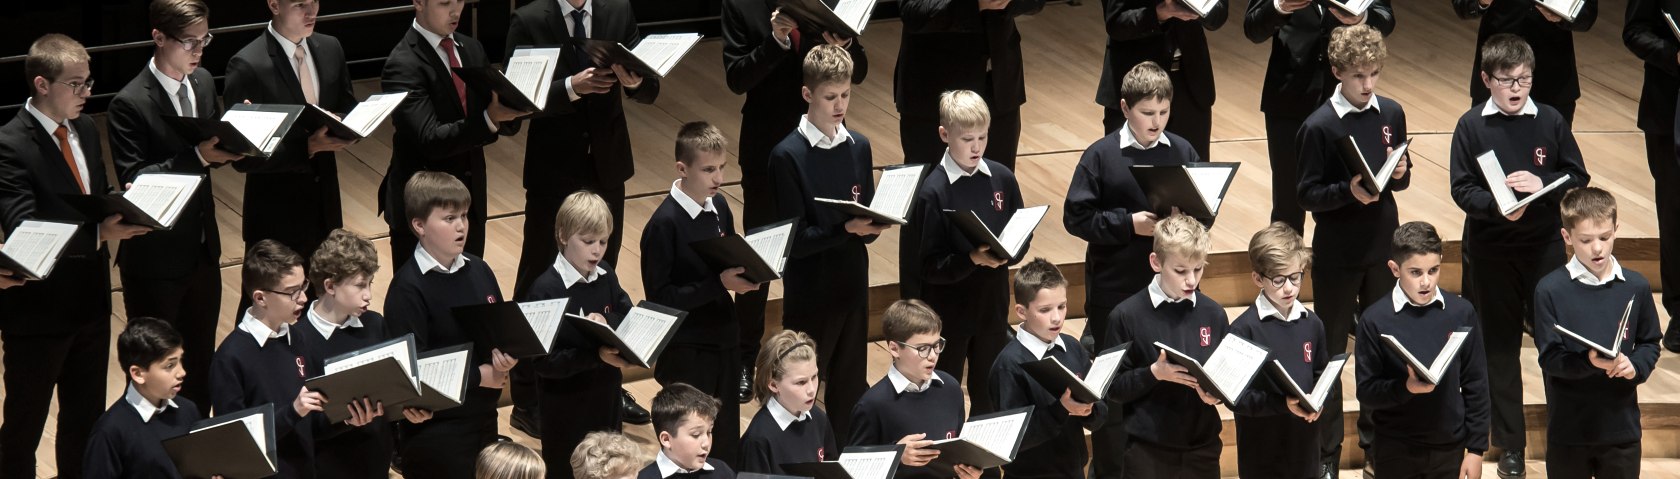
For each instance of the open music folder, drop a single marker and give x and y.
(653, 57)
(856, 462)
(360, 122)
(442, 374)
(155, 200)
(34, 247)
(893, 195)
(236, 445)
(763, 251)
(1093, 387)
(640, 337)
(1196, 189)
(1615, 348)
(1006, 244)
(1504, 195)
(521, 330)
(987, 441)
(1353, 7)
(524, 85)
(1432, 372)
(847, 18)
(1567, 9)
(1228, 370)
(1374, 181)
(382, 373)
(1201, 7)
(252, 130)
(1672, 27)
(1311, 400)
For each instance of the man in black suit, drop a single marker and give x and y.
(437, 128)
(1170, 34)
(56, 332)
(580, 142)
(1298, 80)
(1647, 35)
(1555, 81)
(173, 274)
(292, 196)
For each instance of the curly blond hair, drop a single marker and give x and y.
(1353, 46)
(605, 455)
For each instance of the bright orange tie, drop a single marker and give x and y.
(63, 135)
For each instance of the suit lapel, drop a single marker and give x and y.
(159, 97)
(205, 91)
(89, 134)
(441, 80)
(284, 69)
(327, 76)
(47, 143)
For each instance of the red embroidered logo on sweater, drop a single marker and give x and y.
(1388, 136)
(857, 192)
(1539, 156)
(301, 373)
(489, 298)
(1306, 352)
(951, 434)
(997, 200)
(819, 454)
(1207, 336)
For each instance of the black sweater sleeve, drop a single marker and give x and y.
(1473, 386)
(1083, 214)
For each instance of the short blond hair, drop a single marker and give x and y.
(605, 455)
(1146, 81)
(1587, 203)
(49, 55)
(1273, 250)
(508, 460)
(429, 190)
(963, 110)
(785, 347)
(698, 136)
(827, 64)
(1182, 237)
(909, 317)
(582, 213)
(342, 256)
(1352, 46)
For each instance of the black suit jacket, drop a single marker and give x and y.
(947, 45)
(1135, 35)
(433, 133)
(1647, 35)
(1298, 77)
(292, 196)
(756, 65)
(141, 144)
(565, 136)
(32, 176)
(1555, 78)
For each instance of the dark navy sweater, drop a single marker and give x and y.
(969, 297)
(1163, 414)
(765, 446)
(1541, 144)
(1054, 444)
(884, 415)
(424, 304)
(1455, 414)
(1271, 440)
(1586, 407)
(574, 379)
(340, 449)
(827, 268)
(1100, 201)
(244, 375)
(1347, 233)
(674, 275)
(719, 471)
(126, 447)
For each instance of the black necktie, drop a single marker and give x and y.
(579, 35)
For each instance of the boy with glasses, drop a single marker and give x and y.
(915, 404)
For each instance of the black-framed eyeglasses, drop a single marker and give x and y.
(1509, 82)
(195, 44)
(294, 294)
(1294, 279)
(925, 350)
(78, 87)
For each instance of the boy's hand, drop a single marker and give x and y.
(1074, 407)
(9, 278)
(1523, 181)
(1620, 367)
(965, 471)
(416, 415)
(1403, 166)
(1290, 6)
(917, 451)
(1295, 407)
(307, 401)
(321, 142)
(213, 155)
(1471, 468)
(836, 40)
(589, 81)
(1345, 17)
(597, 317)
(993, 5)
(1417, 386)
(1167, 371)
(1208, 399)
(627, 78)
(611, 357)
(982, 256)
(113, 229)
(1143, 223)
(733, 281)
(363, 412)
(500, 113)
(1359, 193)
(1517, 215)
(862, 226)
(781, 26)
(502, 362)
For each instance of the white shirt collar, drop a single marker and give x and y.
(783, 417)
(291, 48)
(1343, 106)
(1401, 300)
(47, 124)
(1578, 271)
(668, 467)
(953, 171)
(260, 331)
(431, 38)
(1264, 308)
(1034, 345)
(902, 384)
(429, 264)
(1127, 140)
(1157, 296)
(327, 328)
(816, 137)
(566, 8)
(171, 85)
(146, 409)
(1490, 109)
(570, 275)
(688, 205)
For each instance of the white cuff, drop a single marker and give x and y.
(572, 95)
(787, 44)
(200, 154)
(1278, 4)
(491, 123)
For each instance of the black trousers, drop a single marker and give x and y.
(432, 449)
(1286, 173)
(1148, 461)
(1665, 170)
(979, 351)
(192, 304)
(1603, 462)
(1504, 297)
(1340, 294)
(75, 363)
(758, 209)
(925, 147)
(711, 370)
(1108, 444)
(842, 337)
(1397, 460)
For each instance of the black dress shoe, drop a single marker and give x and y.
(1370, 471)
(632, 413)
(1511, 465)
(1671, 341)
(746, 385)
(526, 421)
(1327, 471)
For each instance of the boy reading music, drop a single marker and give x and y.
(915, 404)
(683, 416)
(1276, 436)
(127, 441)
(790, 428)
(1593, 400)
(1054, 444)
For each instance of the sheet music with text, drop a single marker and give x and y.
(663, 51)
(1504, 195)
(256, 126)
(36, 244)
(526, 73)
(1443, 360)
(855, 13)
(868, 465)
(371, 112)
(896, 189)
(1102, 371)
(1568, 9)
(1321, 388)
(545, 317)
(770, 244)
(1233, 364)
(445, 373)
(997, 435)
(1020, 226)
(398, 351)
(253, 424)
(642, 329)
(1210, 183)
(162, 196)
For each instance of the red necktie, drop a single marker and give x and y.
(793, 38)
(448, 45)
(63, 135)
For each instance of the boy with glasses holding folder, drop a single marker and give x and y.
(914, 404)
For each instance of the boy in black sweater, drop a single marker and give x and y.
(127, 441)
(1592, 400)
(967, 283)
(674, 275)
(262, 362)
(1276, 437)
(342, 270)
(790, 428)
(683, 417)
(1505, 255)
(435, 279)
(826, 279)
(1352, 225)
(915, 404)
(1173, 429)
(1054, 444)
(1421, 429)
(579, 376)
